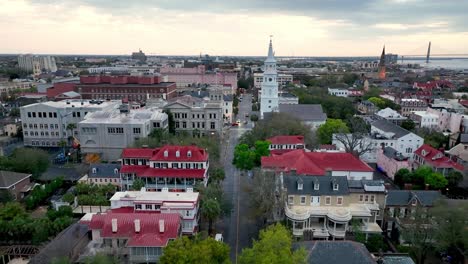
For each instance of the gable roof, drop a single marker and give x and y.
(150, 234)
(280, 140)
(388, 126)
(9, 178)
(336, 252)
(404, 197)
(436, 158)
(314, 163)
(304, 112)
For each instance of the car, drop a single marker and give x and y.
(246, 115)
(219, 237)
(245, 122)
(235, 124)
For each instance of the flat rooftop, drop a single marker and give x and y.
(114, 116)
(425, 114)
(156, 196)
(77, 103)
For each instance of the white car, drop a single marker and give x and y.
(219, 237)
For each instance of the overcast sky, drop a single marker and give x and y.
(233, 27)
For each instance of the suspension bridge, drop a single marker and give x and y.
(428, 55)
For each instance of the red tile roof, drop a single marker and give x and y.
(315, 163)
(433, 84)
(280, 140)
(197, 154)
(146, 171)
(149, 235)
(436, 158)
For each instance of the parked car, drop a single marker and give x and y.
(235, 124)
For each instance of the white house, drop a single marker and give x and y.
(338, 92)
(425, 119)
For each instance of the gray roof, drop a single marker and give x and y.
(388, 126)
(8, 178)
(404, 197)
(104, 170)
(288, 95)
(304, 112)
(392, 153)
(336, 252)
(358, 185)
(464, 138)
(325, 185)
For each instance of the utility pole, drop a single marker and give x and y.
(428, 52)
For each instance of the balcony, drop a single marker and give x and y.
(337, 233)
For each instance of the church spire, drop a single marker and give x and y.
(382, 57)
(271, 54)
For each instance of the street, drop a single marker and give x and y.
(238, 229)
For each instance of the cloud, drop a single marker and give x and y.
(242, 27)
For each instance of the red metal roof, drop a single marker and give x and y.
(149, 235)
(281, 140)
(315, 163)
(436, 158)
(186, 153)
(146, 171)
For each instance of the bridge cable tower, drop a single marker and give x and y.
(428, 52)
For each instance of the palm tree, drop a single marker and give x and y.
(211, 209)
(71, 127)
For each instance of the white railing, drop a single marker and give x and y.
(337, 233)
(295, 216)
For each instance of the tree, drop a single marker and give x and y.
(138, 184)
(433, 138)
(71, 127)
(274, 246)
(244, 157)
(357, 142)
(377, 101)
(451, 232)
(243, 83)
(325, 131)
(15, 112)
(350, 78)
(211, 209)
(262, 149)
(216, 174)
(402, 176)
(26, 160)
(408, 124)
(5, 196)
(264, 199)
(419, 234)
(171, 121)
(254, 118)
(454, 178)
(184, 250)
(436, 180)
(12, 210)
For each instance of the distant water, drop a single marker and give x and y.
(455, 64)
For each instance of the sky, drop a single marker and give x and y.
(234, 27)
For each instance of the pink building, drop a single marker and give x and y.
(447, 120)
(390, 161)
(186, 77)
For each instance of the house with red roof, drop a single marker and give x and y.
(283, 144)
(300, 162)
(173, 168)
(431, 85)
(136, 237)
(434, 158)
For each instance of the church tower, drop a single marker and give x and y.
(382, 69)
(269, 96)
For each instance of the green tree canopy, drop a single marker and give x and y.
(325, 131)
(26, 160)
(377, 101)
(436, 180)
(408, 124)
(196, 250)
(273, 247)
(138, 184)
(454, 178)
(211, 209)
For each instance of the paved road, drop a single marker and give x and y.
(238, 228)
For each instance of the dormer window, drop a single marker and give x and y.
(316, 186)
(414, 202)
(166, 153)
(177, 154)
(335, 185)
(116, 171)
(300, 186)
(189, 154)
(94, 170)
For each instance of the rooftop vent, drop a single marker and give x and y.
(114, 225)
(137, 225)
(161, 226)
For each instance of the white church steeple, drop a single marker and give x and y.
(269, 94)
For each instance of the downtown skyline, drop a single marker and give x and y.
(226, 28)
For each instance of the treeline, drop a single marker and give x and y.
(41, 192)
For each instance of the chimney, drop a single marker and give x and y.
(161, 225)
(114, 225)
(137, 225)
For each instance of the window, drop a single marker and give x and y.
(366, 198)
(361, 198)
(136, 130)
(212, 125)
(34, 114)
(414, 202)
(339, 200)
(115, 130)
(300, 186)
(372, 198)
(149, 207)
(290, 199)
(328, 200)
(303, 199)
(316, 186)
(335, 186)
(29, 114)
(137, 206)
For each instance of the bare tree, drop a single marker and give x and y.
(358, 142)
